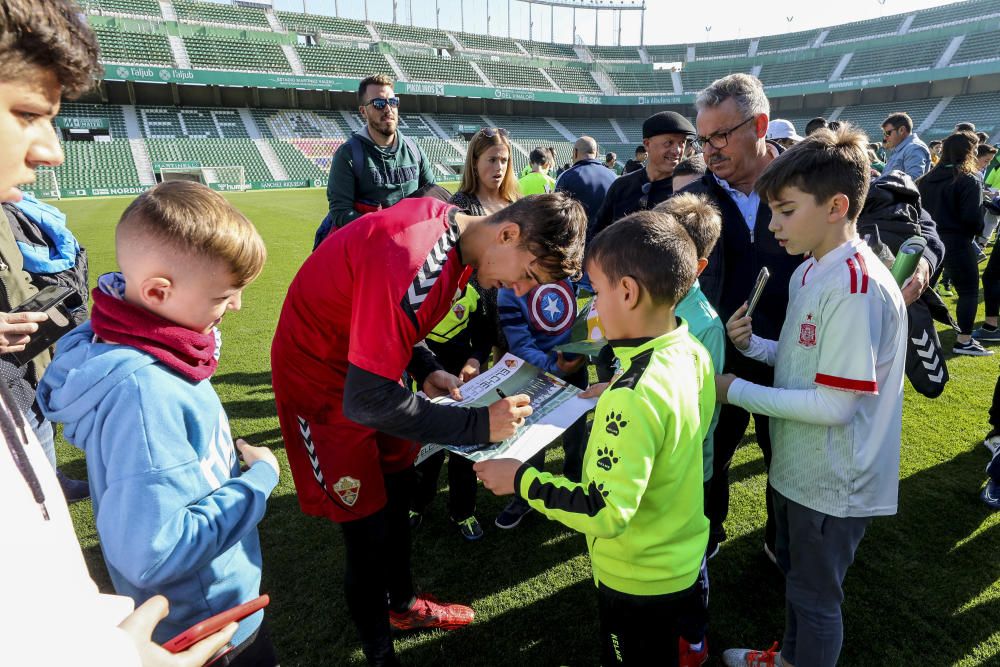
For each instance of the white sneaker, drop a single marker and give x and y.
(745, 657)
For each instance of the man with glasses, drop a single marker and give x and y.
(732, 124)
(906, 152)
(665, 135)
(377, 166)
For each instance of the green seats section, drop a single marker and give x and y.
(573, 80)
(119, 46)
(336, 61)
(97, 164)
(311, 23)
(133, 7)
(729, 49)
(235, 54)
(529, 130)
(440, 152)
(864, 29)
(787, 42)
(489, 43)
(110, 112)
(632, 127)
(977, 48)
(674, 53)
(212, 153)
(441, 70)
(979, 108)
(655, 82)
(903, 58)
(296, 163)
(395, 32)
(548, 50)
(803, 71)
(300, 124)
(413, 125)
(958, 12)
(191, 122)
(695, 79)
(598, 128)
(211, 12)
(503, 73)
(615, 53)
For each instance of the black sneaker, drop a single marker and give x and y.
(972, 349)
(469, 528)
(984, 335)
(511, 515)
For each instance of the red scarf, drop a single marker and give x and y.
(190, 353)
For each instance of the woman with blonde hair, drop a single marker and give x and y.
(952, 192)
(488, 182)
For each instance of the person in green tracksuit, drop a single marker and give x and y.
(640, 500)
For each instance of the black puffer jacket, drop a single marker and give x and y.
(893, 212)
(954, 200)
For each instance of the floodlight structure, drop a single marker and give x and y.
(599, 6)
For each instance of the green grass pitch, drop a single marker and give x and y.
(924, 589)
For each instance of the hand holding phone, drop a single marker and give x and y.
(210, 626)
(758, 289)
(139, 627)
(16, 330)
(50, 301)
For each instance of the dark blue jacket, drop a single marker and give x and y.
(588, 182)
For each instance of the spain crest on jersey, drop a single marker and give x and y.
(551, 308)
(807, 332)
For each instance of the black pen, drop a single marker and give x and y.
(500, 393)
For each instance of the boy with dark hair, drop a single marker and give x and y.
(537, 181)
(639, 162)
(687, 172)
(837, 399)
(173, 510)
(640, 499)
(817, 123)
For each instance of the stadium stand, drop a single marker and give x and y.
(643, 82)
(442, 154)
(729, 49)
(210, 52)
(296, 163)
(503, 73)
(959, 12)
(798, 71)
(980, 108)
(414, 125)
(598, 128)
(284, 124)
(674, 53)
(573, 80)
(212, 153)
(338, 61)
(694, 79)
(211, 12)
(547, 50)
(97, 164)
(439, 70)
(903, 58)
(869, 117)
(411, 34)
(327, 25)
(145, 8)
(791, 41)
(490, 43)
(977, 48)
(864, 29)
(191, 122)
(615, 53)
(135, 48)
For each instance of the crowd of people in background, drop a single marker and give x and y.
(410, 288)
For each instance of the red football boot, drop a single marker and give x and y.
(427, 612)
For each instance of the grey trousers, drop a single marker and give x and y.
(814, 551)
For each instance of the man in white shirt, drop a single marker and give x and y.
(837, 399)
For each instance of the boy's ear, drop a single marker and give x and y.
(155, 290)
(631, 292)
(509, 233)
(839, 204)
(702, 263)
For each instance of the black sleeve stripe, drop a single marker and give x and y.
(410, 313)
(575, 500)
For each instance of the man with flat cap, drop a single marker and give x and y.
(665, 135)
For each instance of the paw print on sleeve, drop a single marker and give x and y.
(600, 488)
(606, 458)
(614, 423)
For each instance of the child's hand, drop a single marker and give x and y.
(498, 475)
(507, 415)
(739, 328)
(722, 383)
(469, 370)
(594, 390)
(16, 330)
(253, 454)
(441, 383)
(569, 367)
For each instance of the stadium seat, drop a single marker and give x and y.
(490, 43)
(977, 48)
(959, 12)
(548, 50)
(792, 41)
(212, 12)
(212, 153)
(124, 7)
(236, 54)
(573, 80)
(411, 34)
(615, 53)
(798, 72)
(503, 73)
(441, 70)
(337, 61)
(120, 46)
(735, 48)
(332, 25)
(859, 30)
(902, 58)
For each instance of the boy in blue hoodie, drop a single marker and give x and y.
(174, 513)
(533, 325)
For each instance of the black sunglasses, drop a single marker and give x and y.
(379, 103)
(490, 132)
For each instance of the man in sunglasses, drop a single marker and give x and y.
(732, 124)
(906, 152)
(377, 166)
(665, 135)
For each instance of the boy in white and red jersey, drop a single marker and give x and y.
(837, 399)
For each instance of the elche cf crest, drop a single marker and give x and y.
(550, 308)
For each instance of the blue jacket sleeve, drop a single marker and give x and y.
(153, 526)
(916, 161)
(514, 321)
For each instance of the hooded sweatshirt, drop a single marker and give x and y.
(174, 514)
(390, 173)
(954, 200)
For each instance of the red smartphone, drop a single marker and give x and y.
(210, 626)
